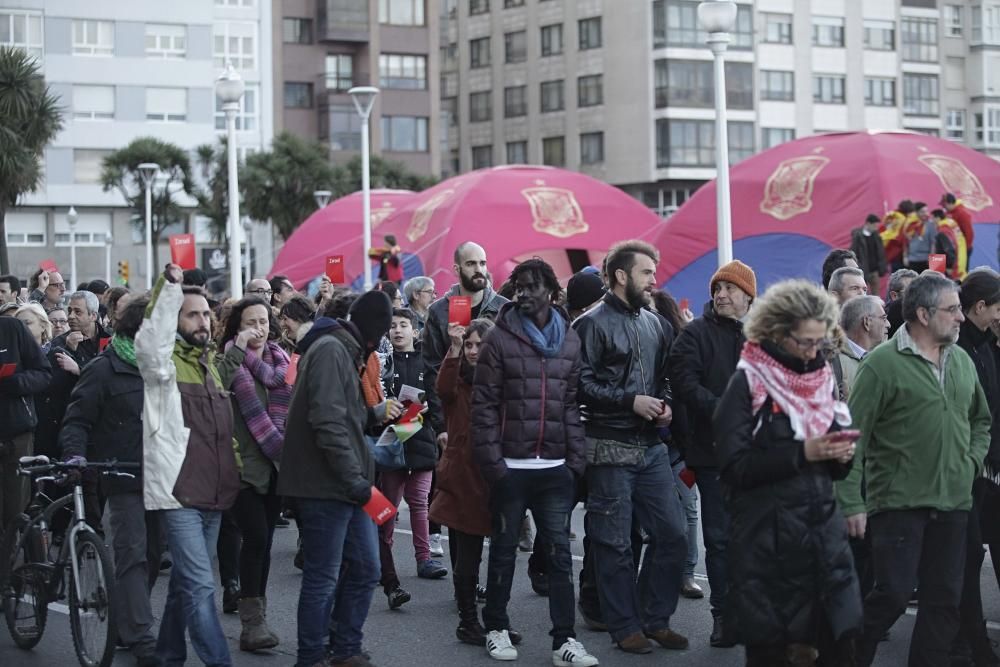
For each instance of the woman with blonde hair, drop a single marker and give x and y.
(781, 442)
(33, 316)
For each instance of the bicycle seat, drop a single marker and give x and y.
(33, 460)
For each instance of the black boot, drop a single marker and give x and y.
(469, 628)
(982, 649)
(718, 638)
(231, 597)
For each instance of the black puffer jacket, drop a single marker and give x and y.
(789, 559)
(523, 404)
(702, 360)
(31, 376)
(982, 348)
(421, 450)
(624, 356)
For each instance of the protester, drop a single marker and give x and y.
(583, 292)
(190, 470)
(865, 326)
(898, 282)
(702, 360)
(260, 288)
(10, 289)
(31, 376)
(846, 283)
(962, 216)
(837, 258)
(260, 400)
(282, 291)
(925, 430)
(866, 244)
(47, 289)
(951, 243)
(420, 294)
(529, 444)
(891, 231)
(295, 319)
(390, 260)
(112, 298)
(104, 422)
(327, 467)
(920, 236)
(34, 318)
(59, 320)
(628, 466)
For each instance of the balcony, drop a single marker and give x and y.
(342, 21)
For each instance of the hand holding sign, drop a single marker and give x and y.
(335, 269)
(182, 251)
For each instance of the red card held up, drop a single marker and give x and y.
(938, 263)
(6, 370)
(411, 413)
(379, 508)
(684, 304)
(182, 251)
(335, 269)
(459, 310)
(293, 369)
(48, 265)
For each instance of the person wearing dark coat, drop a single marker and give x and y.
(792, 585)
(867, 245)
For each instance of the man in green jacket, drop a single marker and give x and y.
(925, 428)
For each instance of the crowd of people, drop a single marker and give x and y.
(844, 451)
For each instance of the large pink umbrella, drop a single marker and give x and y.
(335, 229)
(516, 212)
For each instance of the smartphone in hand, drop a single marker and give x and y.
(849, 435)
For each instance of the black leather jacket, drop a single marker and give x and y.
(624, 355)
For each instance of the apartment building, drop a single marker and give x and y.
(624, 90)
(124, 70)
(323, 48)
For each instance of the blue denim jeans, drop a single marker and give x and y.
(335, 533)
(614, 492)
(715, 532)
(689, 500)
(190, 606)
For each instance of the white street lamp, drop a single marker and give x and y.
(147, 170)
(322, 198)
(108, 242)
(71, 218)
(364, 99)
(229, 88)
(718, 18)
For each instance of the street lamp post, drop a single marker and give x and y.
(229, 88)
(147, 170)
(364, 99)
(322, 198)
(247, 228)
(108, 242)
(718, 18)
(71, 218)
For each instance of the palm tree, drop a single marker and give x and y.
(30, 117)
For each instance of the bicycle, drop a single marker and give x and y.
(30, 578)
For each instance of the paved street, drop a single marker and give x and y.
(422, 632)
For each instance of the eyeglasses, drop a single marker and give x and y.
(427, 291)
(262, 291)
(59, 285)
(805, 345)
(951, 310)
(57, 323)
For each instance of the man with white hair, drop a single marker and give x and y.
(865, 325)
(846, 283)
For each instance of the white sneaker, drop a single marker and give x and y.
(499, 647)
(572, 654)
(436, 549)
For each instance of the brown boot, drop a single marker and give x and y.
(256, 635)
(635, 643)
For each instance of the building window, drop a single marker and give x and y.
(22, 30)
(691, 143)
(345, 128)
(478, 7)
(479, 52)
(953, 22)
(773, 136)
(93, 38)
(552, 44)
(166, 41)
(515, 47)
(515, 101)
(234, 41)
(954, 72)
(590, 90)
(340, 71)
(690, 83)
(986, 24)
(482, 157)
(920, 95)
(87, 165)
(675, 23)
(920, 39)
(517, 152)
(401, 12)
(552, 96)
(591, 148)
(880, 92)
(90, 230)
(589, 32)
(25, 229)
(449, 110)
(297, 31)
(168, 105)
(828, 89)
(992, 126)
(828, 31)
(404, 133)
(954, 127)
(880, 35)
(402, 72)
(778, 28)
(93, 102)
(554, 151)
(480, 106)
(509, 4)
(777, 86)
(234, 3)
(298, 95)
(246, 117)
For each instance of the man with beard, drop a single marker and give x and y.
(702, 360)
(925, 430)
(190, 471)
(47, 288)
(625, 400)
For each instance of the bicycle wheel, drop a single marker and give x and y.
(90, 612)
(23, 584)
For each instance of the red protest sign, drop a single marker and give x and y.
(48, 265)
(379, 508)
(938, 263)
(459, 310)
(293, 369)
(335, 269)
(182, 251)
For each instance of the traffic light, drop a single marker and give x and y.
(123, 272)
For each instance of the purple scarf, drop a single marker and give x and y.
(267, 426)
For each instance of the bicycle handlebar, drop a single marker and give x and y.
(33, 465)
